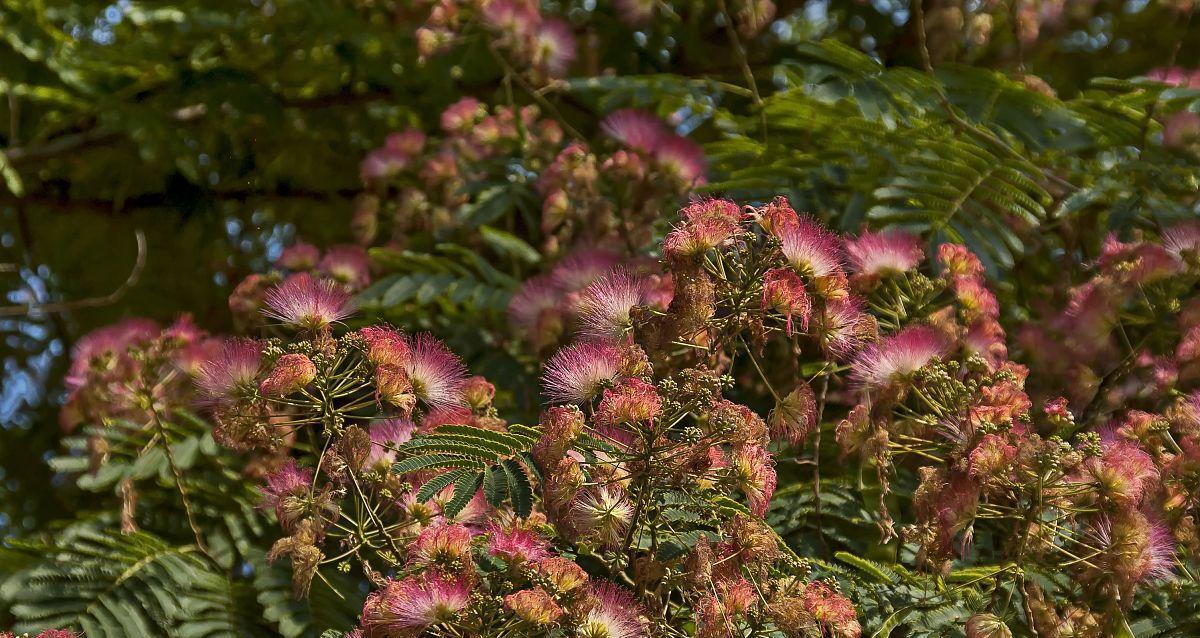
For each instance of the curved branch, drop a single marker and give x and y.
(91, 302)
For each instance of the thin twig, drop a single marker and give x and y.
(92, 302)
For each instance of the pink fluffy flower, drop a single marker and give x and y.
(603, 512)
(604, 307)
(291, 373)
(614, 613)
(976, 300)
(1123, 473)
(843, 327)
(304, 302)
(707, 224)
(395, 156)
(440, 544)
(753, 468)
(636, 129)
(437, 375)
(783, 292)
(387, 434)
(533, 606)
(385, 346)
(536, 296)
(1181, 129)
(408, 607)
(831, 610)
(299, 256)
(683, 159)
(813, 251)
(348, 264)
(232, 370)
(579, 371)
(582, 267)
(1183, 239)
(990, 458)
(514, 19)
(284, 485)
(629, 401)
(882, 364)
(516, 546)
(1136, 547)
(111, 340)
(885, 253)
(958, 261)
(462, 115)
(554, 47)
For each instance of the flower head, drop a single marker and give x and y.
(885, 253)
(636, 129)
(605, 305)
(516, 545)
(564, 575)
(534, 310)
(304, 302)
(958, 261)
(683, 159)
(385, 346)
(462, 115)
(614, 614)
(604, 512)
(580, 268)
(976, 300)
(843, 327)
(754, 470)
(284, 490)
(291, 372)
(783, 292)
(232, 370)
(478, 392)
(631, 400)
(348, 264)
(440, 544)
(386, 434)
(1123, 472)
(1183, 239)
(1136, 548)
(554, 47)
(991, 458)
(579, 371)
(299, 256)
(831, 610)
(898, 356)
(437, 375)
(533, 606)
(814, 252)
(409, 606)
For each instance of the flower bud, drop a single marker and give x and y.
(291, 373)
(534, 606)
(478, 392)
(987, 626)
(393, 386)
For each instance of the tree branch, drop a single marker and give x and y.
(91, 302)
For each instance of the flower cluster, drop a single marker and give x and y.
(1137, 310)
(305, 289)
(586, 197)
(1181, 129)
(128, 369)
(518, 31)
